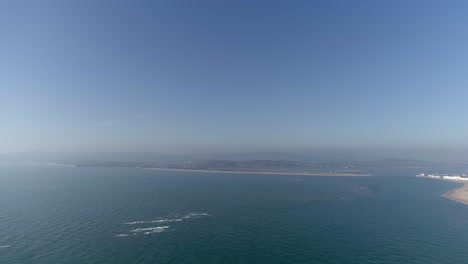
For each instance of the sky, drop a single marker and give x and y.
(233, 75)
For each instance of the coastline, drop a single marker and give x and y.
(458, 195)
(336, 174)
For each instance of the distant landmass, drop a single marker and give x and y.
(204, 163)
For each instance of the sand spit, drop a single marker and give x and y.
(268, 172)
(458, 195)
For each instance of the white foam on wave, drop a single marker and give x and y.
(144, 231)
(194, 214)
(158, 229)
(150, 230)
(5, 246)
(135, 223)
(169, 219)
(153, 221)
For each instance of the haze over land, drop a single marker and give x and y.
(265, 163)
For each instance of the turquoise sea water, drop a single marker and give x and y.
(107, 215)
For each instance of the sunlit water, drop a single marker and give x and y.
(51, 214)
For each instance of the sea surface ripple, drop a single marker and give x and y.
(107, 215)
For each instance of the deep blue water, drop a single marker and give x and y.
(106, 215)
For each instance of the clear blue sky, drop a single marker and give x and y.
(155, 75)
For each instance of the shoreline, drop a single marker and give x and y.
(458, 195)
(334, 174)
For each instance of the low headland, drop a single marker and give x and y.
(459, 194)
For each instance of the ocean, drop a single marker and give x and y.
(54, 214)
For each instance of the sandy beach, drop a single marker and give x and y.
(458, 195)
(268, 172)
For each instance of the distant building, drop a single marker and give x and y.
(453, 177)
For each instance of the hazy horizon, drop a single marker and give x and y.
(337, 79)
(324, 154)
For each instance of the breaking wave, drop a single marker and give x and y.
(195, 214)
(161, 220)
(150, 230)
(154, 221)
(175, 218)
